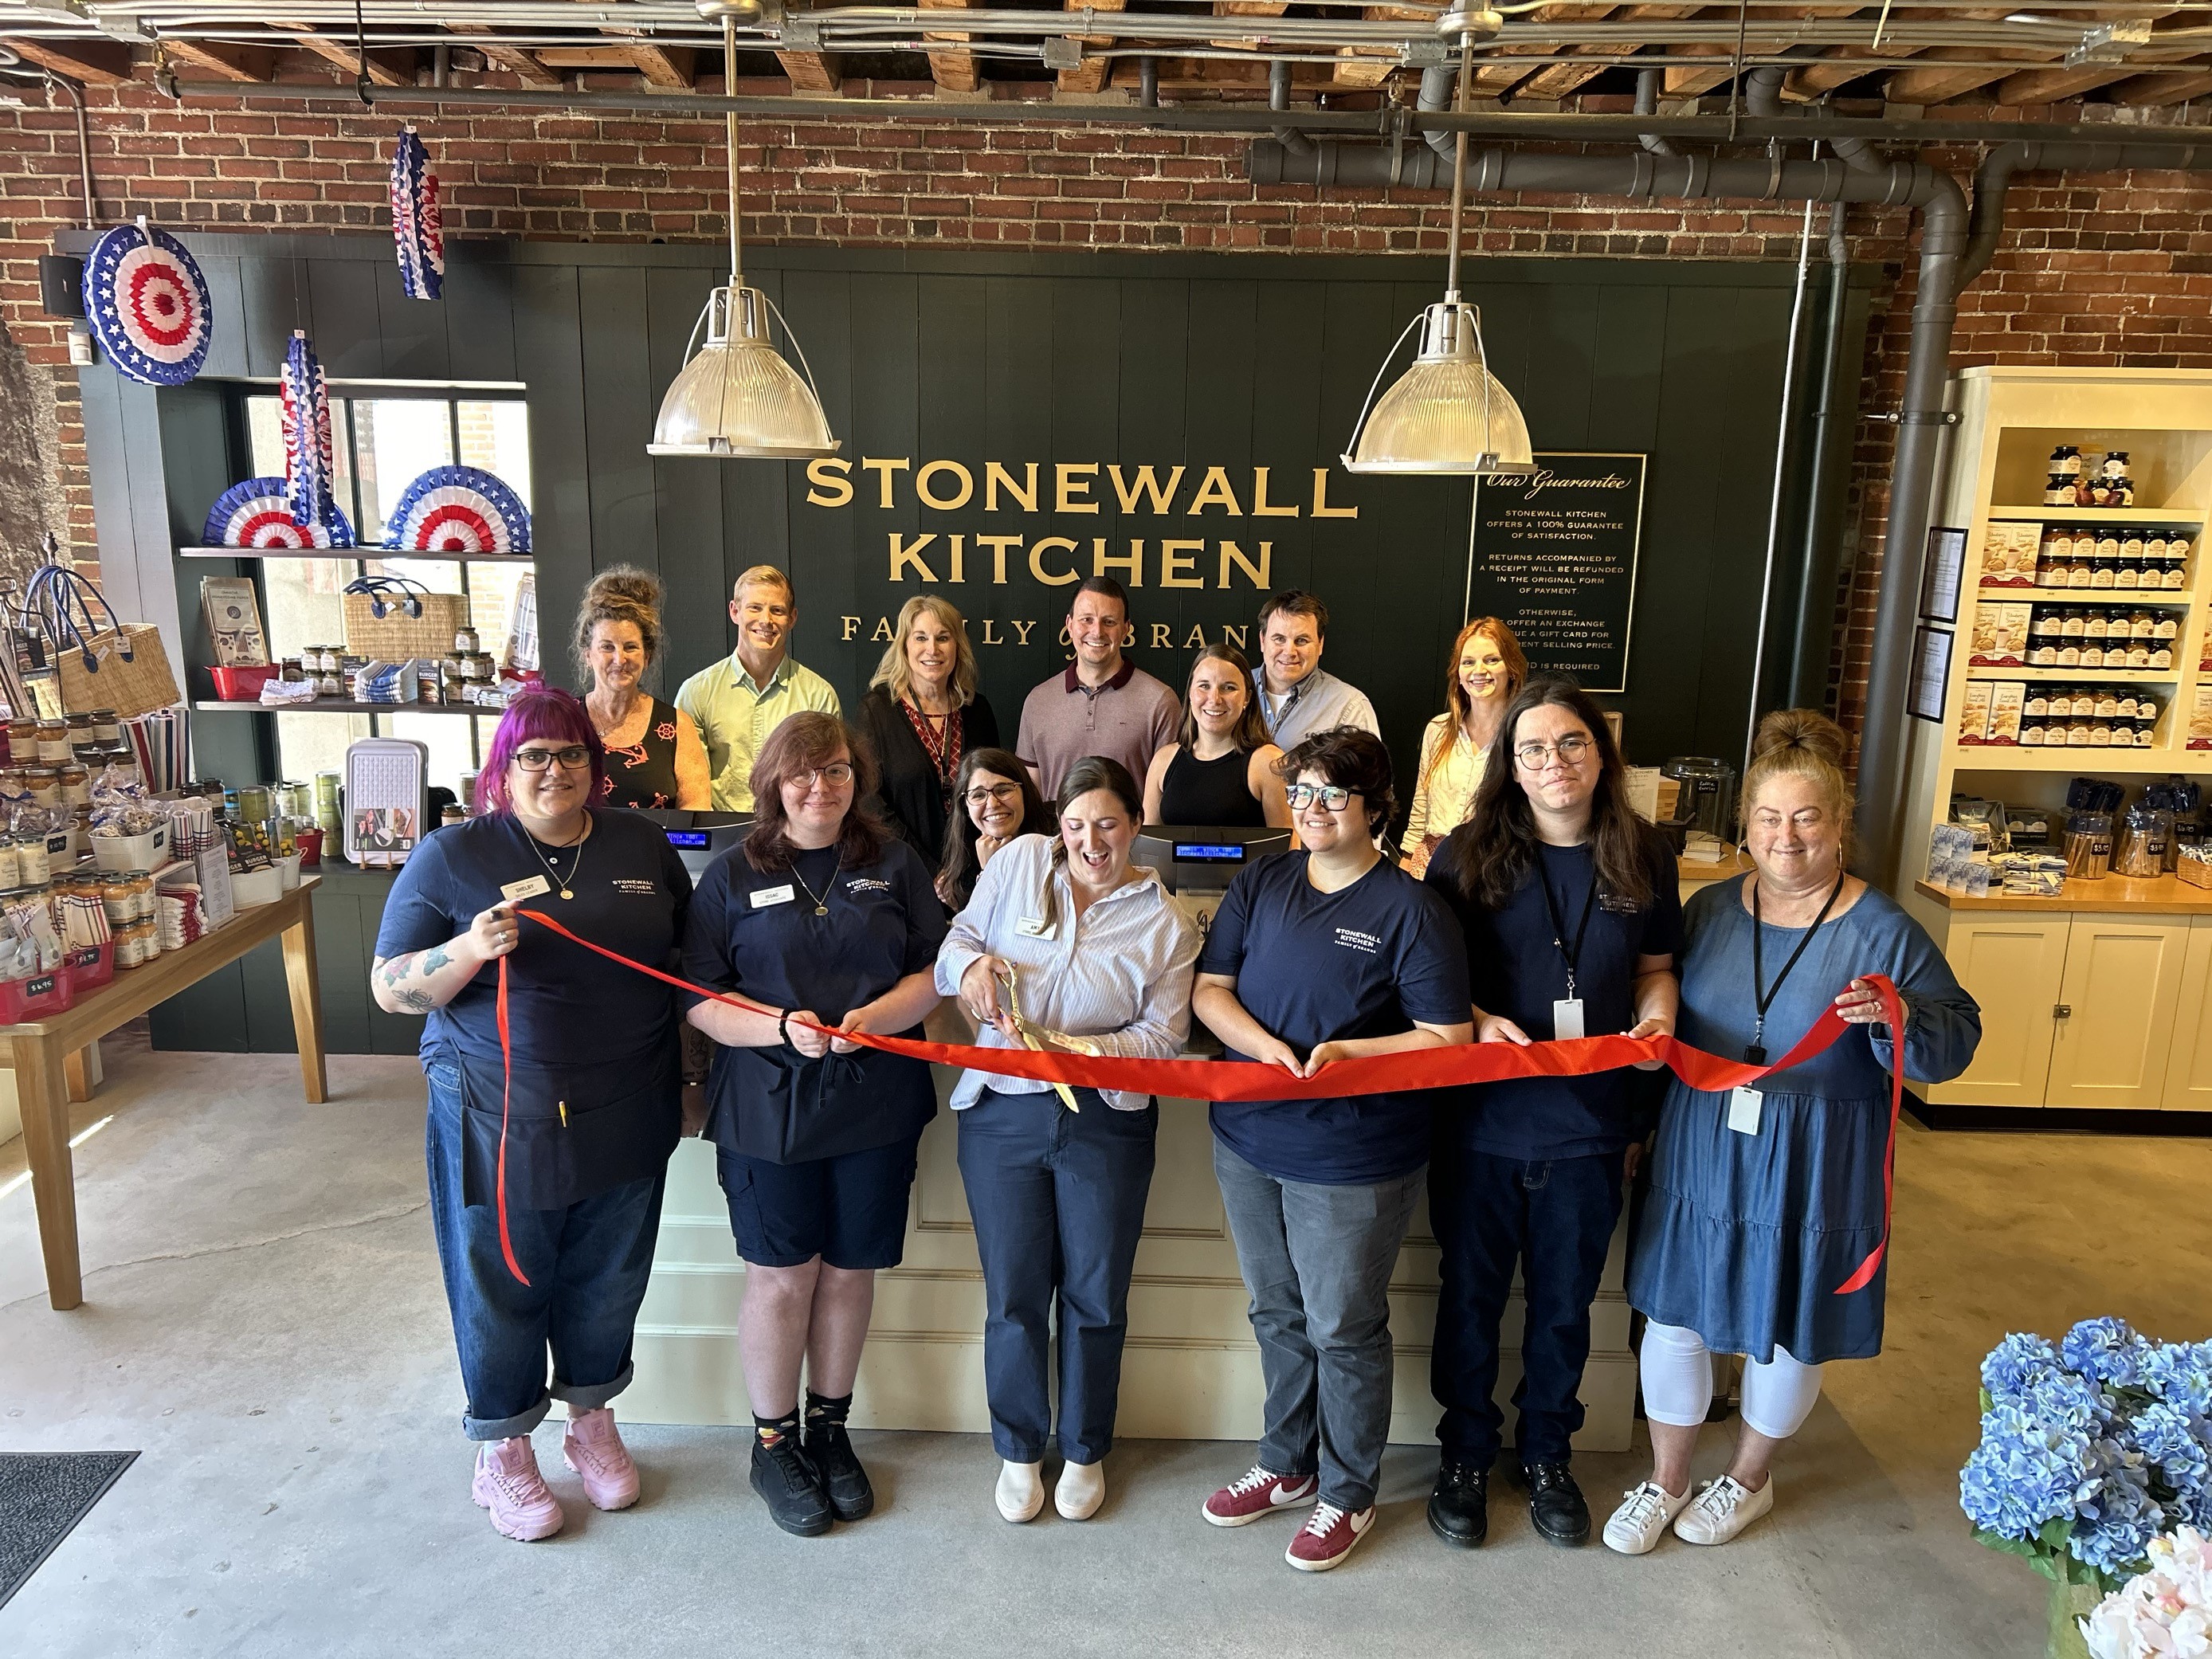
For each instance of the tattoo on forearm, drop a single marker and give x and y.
(418, 1002)
(435, 957)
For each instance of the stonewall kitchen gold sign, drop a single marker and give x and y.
(977, 549)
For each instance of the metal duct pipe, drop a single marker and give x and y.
(1436, 95)
(1994, 177)
(1762, 96)
(1647, 103)
(1642, 176)
(1278, 98)
(1148, 83)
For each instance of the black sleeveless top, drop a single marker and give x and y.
(1212, 791)
(644, 774)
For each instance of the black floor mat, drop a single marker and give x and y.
(43, 1495)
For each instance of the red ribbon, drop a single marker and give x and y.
(1247, 1080)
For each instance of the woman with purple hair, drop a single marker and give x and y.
(545, 1188)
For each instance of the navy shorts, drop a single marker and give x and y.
(849, 1210)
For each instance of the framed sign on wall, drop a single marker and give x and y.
(1552, 555)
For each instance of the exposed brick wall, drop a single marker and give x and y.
(2098, 272)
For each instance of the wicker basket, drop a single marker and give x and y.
(395, 636)
(139, 685)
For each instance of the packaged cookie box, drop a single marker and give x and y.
(2000, 638)
(2008, 552)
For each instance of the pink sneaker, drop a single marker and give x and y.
(1328, 1537)
(508, 1485)
(594, 1450)
(1256, 1493)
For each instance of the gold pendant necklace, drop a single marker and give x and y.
(821, 899)
(567, 887)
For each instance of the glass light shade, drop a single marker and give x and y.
(736, 398)
(1447, 413)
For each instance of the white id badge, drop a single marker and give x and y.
(1567, 1018)
(765, 897)
(1035, 928)
(1744, 1105)
(515, 892)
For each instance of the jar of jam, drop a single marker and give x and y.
(76, 785)
(44, 784)
(31, 863)
(464, 642)
(53, 742)
(11, 864)
(105, 727)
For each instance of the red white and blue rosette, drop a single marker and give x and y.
(458, 509)
(148, 304)
(257, 514)
(304, 410)
(416, 225)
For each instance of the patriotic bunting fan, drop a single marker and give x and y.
(148, 304)
(257, 514)
(415, 222)
(458, 509)
(304, 405)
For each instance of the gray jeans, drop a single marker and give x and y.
(1317, 1261)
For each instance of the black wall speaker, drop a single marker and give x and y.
(61, 285)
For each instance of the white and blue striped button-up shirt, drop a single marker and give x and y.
(1121, 976)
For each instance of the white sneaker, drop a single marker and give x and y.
(1643, 1517)
(1021, 1491)
(1722, 1509)
(1081, 1490)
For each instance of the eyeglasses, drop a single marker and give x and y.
(574, 758)
(1333, 798)
(996, 792)
(838, 773)
(1571, 751)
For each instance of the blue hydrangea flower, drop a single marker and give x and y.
(2022, 1359)
(2108, 1349)
(2060, 1397)
(2115, 1530)
(2176, 1441)
(2029, 1469)
(2180, 1373)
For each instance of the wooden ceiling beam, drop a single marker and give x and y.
(2167, 86)
(1360, 71)
(1936, 76)
(386, 68)
(239, 63)
(2049, 85)
(954, 71)
(812, 71)
(673, 69)
(1093, 74)
(94, 62)
(1561, 80)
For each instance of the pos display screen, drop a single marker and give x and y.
(1209, 852)
(697, 838)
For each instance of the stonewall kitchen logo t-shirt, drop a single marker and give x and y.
(1312, 967)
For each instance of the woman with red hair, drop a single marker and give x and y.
(544, 1185)
(1487, 673)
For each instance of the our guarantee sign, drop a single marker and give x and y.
(1553, 556)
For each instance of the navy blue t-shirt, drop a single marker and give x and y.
(755, 933)
(567, 1007)
(1312, 967)
(1516, 969)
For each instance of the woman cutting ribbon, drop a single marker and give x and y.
(545, 1188)
(820, 918)
(1765, 1200)
(1066, 945)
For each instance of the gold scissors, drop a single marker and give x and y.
(1036, 1037)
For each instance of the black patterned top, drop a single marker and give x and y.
(644, 773)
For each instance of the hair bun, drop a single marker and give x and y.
(626, 586)
(1800, 728)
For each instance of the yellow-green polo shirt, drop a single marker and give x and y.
(735, 716)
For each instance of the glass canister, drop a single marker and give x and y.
(31, 863)
(1708, 793)
(77, 784)
(11, 864)
(2089, 845)
(105, 727)
(53, 742)
(44, 784)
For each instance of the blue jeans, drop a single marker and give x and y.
(1554, 1221)
(1058, 1200)
(587, 1266)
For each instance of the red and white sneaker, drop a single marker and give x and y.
(1328, 1537)
(591, 1447)
(507, 1484)
(1256, 1493)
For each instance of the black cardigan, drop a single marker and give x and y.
(910, 796)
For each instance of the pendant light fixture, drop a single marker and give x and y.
(1447, 413)
(735, 396)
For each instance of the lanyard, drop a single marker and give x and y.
(1570, 954)
(1763, 995)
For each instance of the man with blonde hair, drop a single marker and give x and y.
(737, 702)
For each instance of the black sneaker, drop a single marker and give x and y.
(1459, 1509)
(830, 1449)
(786, 1483)
(1555, 1503)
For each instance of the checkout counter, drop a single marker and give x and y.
(1190, 1370)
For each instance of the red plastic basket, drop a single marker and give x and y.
(24, 1000)
(91, 967)
(240, 684)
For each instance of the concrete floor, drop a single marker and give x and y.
(264, 1321)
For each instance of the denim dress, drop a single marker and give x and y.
(1744, 1238)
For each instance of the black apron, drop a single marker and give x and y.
(571, 1134)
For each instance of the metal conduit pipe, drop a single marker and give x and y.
(1148, 83)
(1920, 418)
(1814, 634)
(1278, 98)
(1762, 96)
(1647, 103)
(62, 84)
(1992, 179)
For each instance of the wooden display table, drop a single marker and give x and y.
(42, 1049)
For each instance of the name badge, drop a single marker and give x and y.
(515, 892)
(1744, 1106)
(1035, 928)
(763, 897)
(1567, 1018)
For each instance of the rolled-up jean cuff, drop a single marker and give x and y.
(591, 1397)
(506, 1428)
